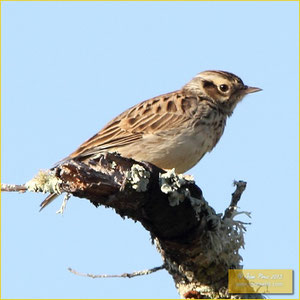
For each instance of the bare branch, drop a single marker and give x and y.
(64, 204)
(124, 275)
(235, 197)
(21, 188)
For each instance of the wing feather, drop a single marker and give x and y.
(155, 115)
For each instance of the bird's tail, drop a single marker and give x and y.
(48, 200)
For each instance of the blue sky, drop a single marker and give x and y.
(69, 67)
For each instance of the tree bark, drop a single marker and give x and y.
(197, 245)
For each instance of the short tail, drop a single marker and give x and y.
(48, 200)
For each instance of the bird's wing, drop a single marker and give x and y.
(165, 112)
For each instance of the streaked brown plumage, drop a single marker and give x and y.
(173, 130)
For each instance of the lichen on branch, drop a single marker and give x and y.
(197, 245)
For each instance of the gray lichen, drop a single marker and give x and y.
(138, 178)
(197, 205)
(171, 184)
(113, 165)
(45, 182)
(230, 236)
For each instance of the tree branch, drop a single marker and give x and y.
(236, 196)
(124, 275)
(13, 188)
(197, 245)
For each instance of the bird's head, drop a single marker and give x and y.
(224, 89)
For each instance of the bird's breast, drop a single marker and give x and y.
(180, 149)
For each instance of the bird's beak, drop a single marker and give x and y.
(251, 89)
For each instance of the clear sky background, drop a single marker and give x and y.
(70, 67)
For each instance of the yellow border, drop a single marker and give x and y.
(0, 156)
(150, 0)
(110, 1)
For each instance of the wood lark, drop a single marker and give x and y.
(174, 130)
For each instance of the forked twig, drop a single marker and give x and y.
(235, 197)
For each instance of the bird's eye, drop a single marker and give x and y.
(223, 88)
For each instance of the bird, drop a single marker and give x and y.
(174, 130)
